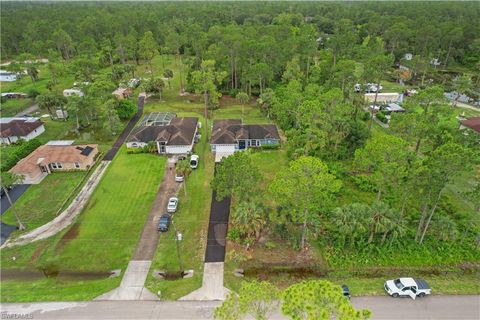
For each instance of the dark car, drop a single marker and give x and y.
(164, 222)
(346, 291)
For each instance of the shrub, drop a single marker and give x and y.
(33, 93)
(270, 146)
(234, 235)
(381, 116)
(13, 153)
(364, 184)
(126, 109)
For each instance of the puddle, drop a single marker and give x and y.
(51, 273)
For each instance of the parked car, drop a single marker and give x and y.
(194, 161)
(164, 222)
(172, 204)
(346, 291)
(179, 177)
(407, 287)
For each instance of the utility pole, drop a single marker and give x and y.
(178, 247)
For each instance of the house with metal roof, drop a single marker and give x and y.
(171, 134)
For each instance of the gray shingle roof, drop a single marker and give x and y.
(179, 132)
(229, 131)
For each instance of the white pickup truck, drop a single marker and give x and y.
(407, 287)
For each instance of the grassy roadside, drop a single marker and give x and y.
(102, 239)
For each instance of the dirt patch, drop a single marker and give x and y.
(71, 234)
(36, 274)
(36, 254)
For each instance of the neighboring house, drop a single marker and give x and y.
(472, 123)
(7, 76)
(14, 129)
(122, 93)
(55, 156)
(231, 135)
(171, 135)
(14, 95)
(73, 92)
(383, 98)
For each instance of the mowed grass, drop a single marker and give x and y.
(111, 224)
(191, 220)
(41, 202)
(11, 107)
(102, 239)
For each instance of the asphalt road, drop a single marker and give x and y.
(384, 308)
(124, 135)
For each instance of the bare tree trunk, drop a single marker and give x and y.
(448, 54)
(304, 229)
(421, 221)
(205, 98)
(430, 217)
(374, 105)
(417, 146)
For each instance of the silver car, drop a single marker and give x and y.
(172, 205)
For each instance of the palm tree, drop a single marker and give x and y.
(33, 73)
(6, 180)
(249, 218)
(183, 168)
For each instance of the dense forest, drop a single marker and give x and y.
(359, 191)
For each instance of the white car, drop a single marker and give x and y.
(407, 287)
(172, 205)
(194, 161)
(178, 177)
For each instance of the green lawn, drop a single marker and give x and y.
(13, 106)
(41, 202)
(103, 238)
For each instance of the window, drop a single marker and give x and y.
(77, 165)
(59, 165)
(253, 143)
(53, 165)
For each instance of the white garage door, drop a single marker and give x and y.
(223, 151)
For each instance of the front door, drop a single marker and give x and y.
(241, 144)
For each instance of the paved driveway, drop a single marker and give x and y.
(14, 193)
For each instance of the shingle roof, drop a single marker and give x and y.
(54, 153)
(229, 131)
(19, 127)
(179, 132)
(472, 123)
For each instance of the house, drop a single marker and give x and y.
(14, 129)
(472, 123)
(231, 135)
(384, 98)
(392, 107)
(171, 135)
(14, 95)
(7, 76)
(73, 92)
(55, 156)
(122, 93)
